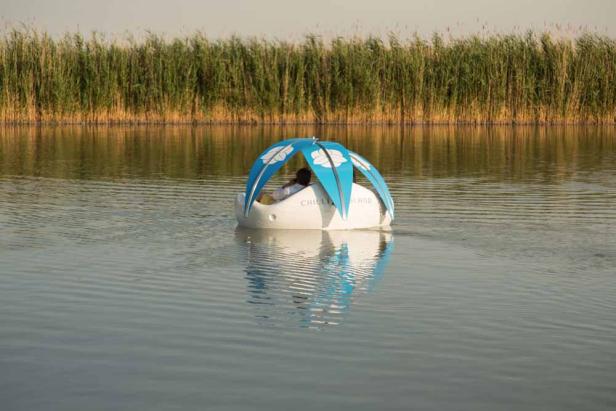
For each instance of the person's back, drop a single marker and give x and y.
(301, 181)
(284, 192)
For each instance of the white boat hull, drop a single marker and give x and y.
(311, 208)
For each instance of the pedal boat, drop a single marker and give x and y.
(334, 202)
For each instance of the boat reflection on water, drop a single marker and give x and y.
(311, 276)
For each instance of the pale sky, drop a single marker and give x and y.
(292, 19)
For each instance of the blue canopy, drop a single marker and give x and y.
(331, 163)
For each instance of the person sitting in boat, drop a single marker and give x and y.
(301, 180)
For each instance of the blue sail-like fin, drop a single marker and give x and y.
(270, 161)
(332, 166)
(373, 175)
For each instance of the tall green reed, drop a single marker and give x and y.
(499, 78)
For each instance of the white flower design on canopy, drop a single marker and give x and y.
(276, 154)
(320, 158)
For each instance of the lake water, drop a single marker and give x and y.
(124, 283)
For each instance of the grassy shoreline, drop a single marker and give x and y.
(500, 79)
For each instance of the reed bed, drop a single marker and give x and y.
(532, 78)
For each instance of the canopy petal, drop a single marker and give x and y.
(373, 175)
(270, 161)
(332, 166)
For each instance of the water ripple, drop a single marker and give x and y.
(124, 282)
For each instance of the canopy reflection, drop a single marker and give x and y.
(310, 276)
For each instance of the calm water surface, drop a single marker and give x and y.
(124, 283)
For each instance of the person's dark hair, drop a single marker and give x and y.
(303, 176)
